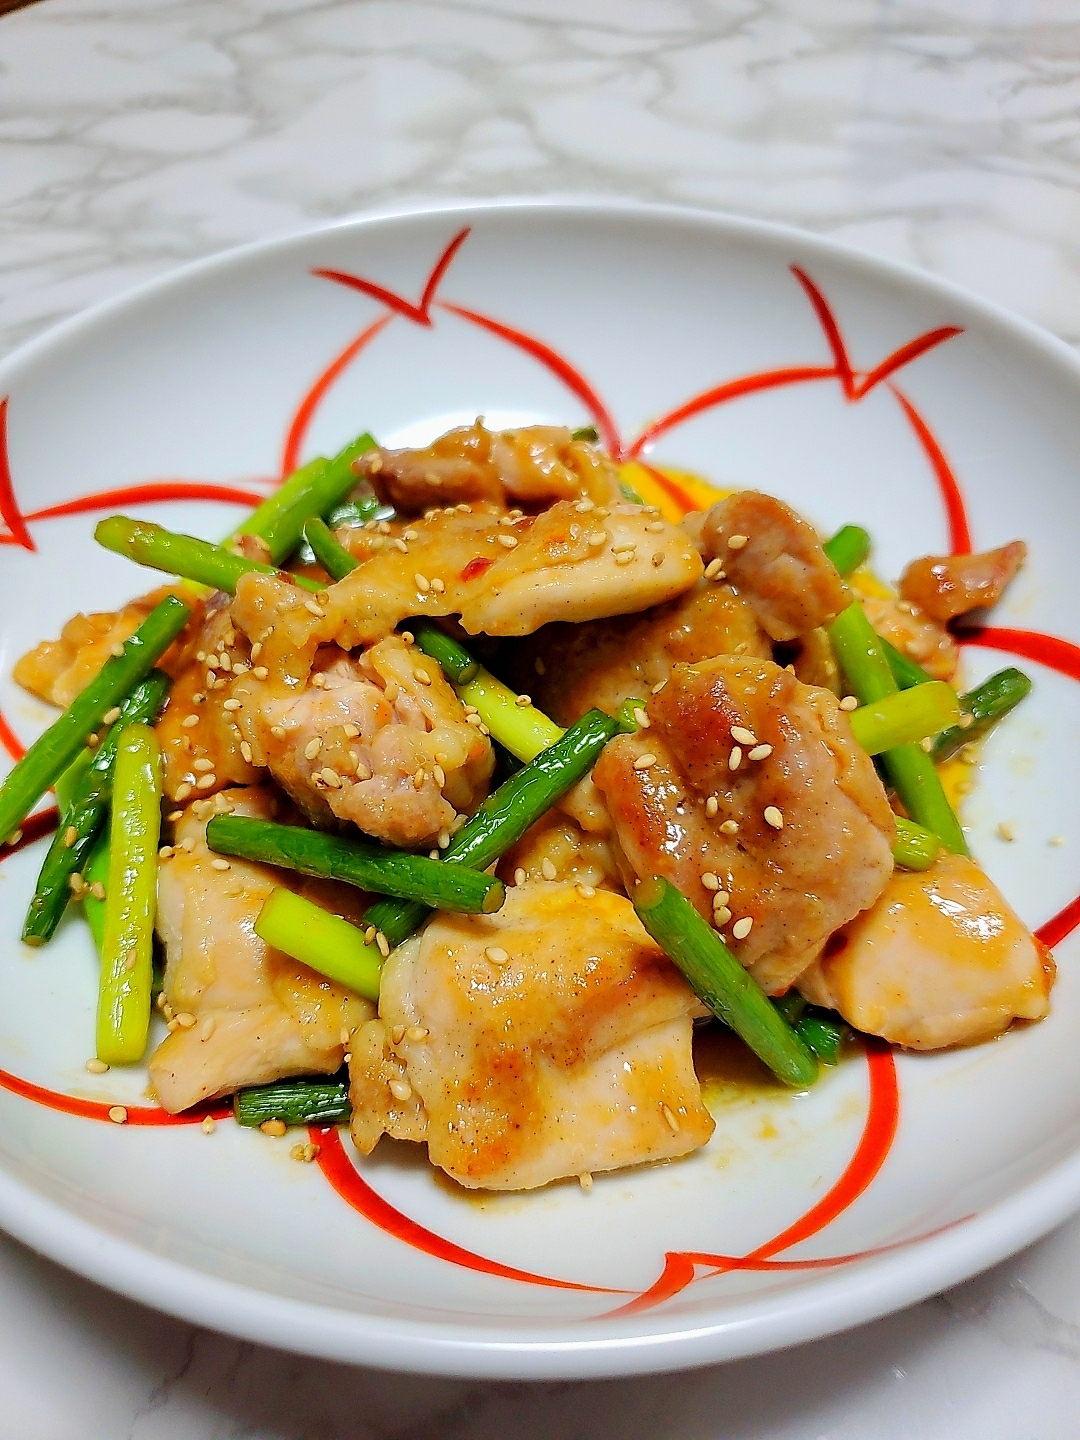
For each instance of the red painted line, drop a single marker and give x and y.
(720, 394)
(879, 1132)
(305, 411)
(9, 506)
(419, 314)
(904, 356)
(557, 365)
(99, 1109)
(1060, 926)
(1060, 655)
(355, 1191)
(827, 321)
(42, 822)
(956, 513)
(10, 741)
(151, 492)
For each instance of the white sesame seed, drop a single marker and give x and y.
(709, 880)
(773, 817)
(496, 954)
(965, 722)
(116, 651)
(547, 869)
(203, 765)
(246, 752)
(70, 836)
(624, 557)
(742, 927)
(669, 1116)
(401, 1090)
(1056, 840)
(276, 1128)
(509, 541)
(232, 705)
(118, 1114)
(76, 883)
(260, 672)
(209, 1125)
(1005, 831)
(422, 583)
(96, 1066)
(278, 732)
(97, 890)
(585, 1181)
(712, 804)
(730, 827)
(183, 791)
(742, 736)
(207, 1028)
(645, 762)
(206, 782)
(760, 752)
(523, 701)
(736, 542)
(256, 649)
(713, 568)
(849, 702)
(312, 748)
(734, 760)
(382, 943)
(185, 1019)
(421, 676)
(111, 716)
(351, 731)
(721, 915)
(585, 891)
(658, 687)
(332, 778)
(220, 865)
(657, 559)
(655, 527)
(596, 537)
(721, 897)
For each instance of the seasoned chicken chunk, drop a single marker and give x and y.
(551, 1039)
(58, 670)
(380, 741)
(201, 745)
(914, 635)
(243, 1014)
(939, 960)
(570, 668)
(532, 467)
(945, 586)
(557, 847)
(507, 576)
(774, 558)
(754, 781)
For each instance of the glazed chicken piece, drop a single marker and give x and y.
(570, 668)
(773, 558)
(549, 1040)
(202, 749)
(945, 586)
(58, 670)
(508, 576)
(243, 1014)
(380, 741)
(939, 960)
(557, 847)
(531, 467)
(914, 635)
(752, 779)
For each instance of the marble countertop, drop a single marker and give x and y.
(138, 134)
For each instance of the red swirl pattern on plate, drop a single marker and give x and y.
(680, 1268)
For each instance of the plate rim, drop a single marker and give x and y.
(879, 1287)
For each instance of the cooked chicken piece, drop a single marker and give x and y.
(939, 960)
(550, 1039)
(570, 668)
(507, 576)
(800, 835)
(558, 848)
(244, 1014)
(815, 662)
(58, 670)
(380, 741)
(773, 558)
(201, 746)
(945, 586)
(914, 635)
(532, 467)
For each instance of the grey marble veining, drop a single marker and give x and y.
(139, 134)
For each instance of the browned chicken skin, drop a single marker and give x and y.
(531, 467)
(946, 586)
(832, 854)
(549, 1039)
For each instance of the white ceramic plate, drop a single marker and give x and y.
(894, 1177)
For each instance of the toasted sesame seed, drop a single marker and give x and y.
(220, 865)
(760, 752)
(773, 817)
(76, 883)
(400, 545)
(547, 869)
(256, 649)
(319, 681)
(116, 651)
(1056, 840)
(585, 1181)
(97, 890)
(645, 762)
(185, 1019)
(183, 791)
(658, 687)
(712, 804)
(206, 782)
(332, 778)
(508, 541)
(382, 943)
(926, 744)
(496, 954)
(709, 880)
(117, 1114)
(474, 719)
(276, 1128)
(713, 568)
(742, 927)
(730, 827)
(721, 898)
(585, 891)
(209, 1125)
(410, 535)
(596, 537)
(736, 542)
(111, 716)
(401, 1090)
(742, 736)
(1005, 831)
(96, 1066)
(203, 765)
(655, 527)
(421, 675)
(312, 748)
(232, 705)
(93, 740)
(260, 672)
(278, 732)
(721, 915)
(70, 836)
(657, 559)
(624, 557)
(519, 876)
(422, 583)
(246, 752)
(734, 760)
(207, 1028)
(669, 1116)
(420, 777)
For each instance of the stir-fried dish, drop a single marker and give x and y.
(451, 793)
